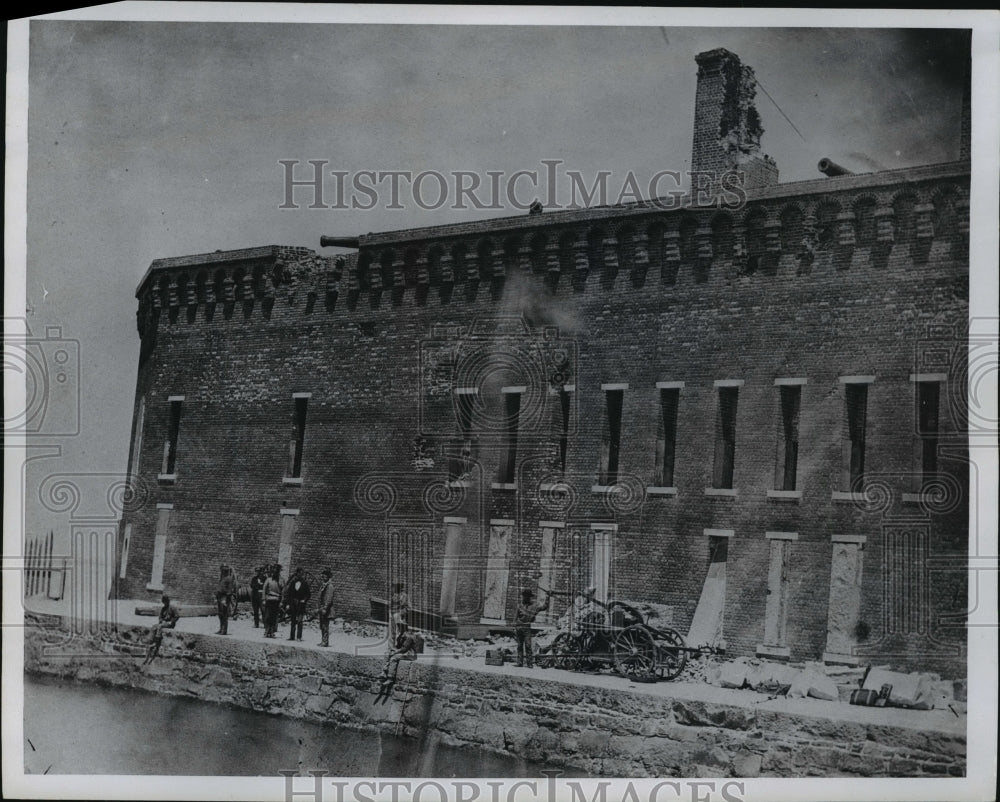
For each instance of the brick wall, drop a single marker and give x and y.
(801, 285)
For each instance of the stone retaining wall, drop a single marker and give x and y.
(597, 731)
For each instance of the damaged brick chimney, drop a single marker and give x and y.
(727, 126)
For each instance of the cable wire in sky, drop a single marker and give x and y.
(779, 109)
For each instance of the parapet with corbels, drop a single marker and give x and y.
(581, 250)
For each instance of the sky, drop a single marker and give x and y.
(156, 139)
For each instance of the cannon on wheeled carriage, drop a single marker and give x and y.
(622, 638)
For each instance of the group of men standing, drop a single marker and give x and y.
(267, 595)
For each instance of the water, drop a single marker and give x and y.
(76, 728)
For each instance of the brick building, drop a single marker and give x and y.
(752, 418)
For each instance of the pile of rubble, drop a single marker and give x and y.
(362, 629)
(805, 680)
(879, 686)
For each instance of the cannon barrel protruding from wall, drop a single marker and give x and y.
(338, 242)
(830, 168)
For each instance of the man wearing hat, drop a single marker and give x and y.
(296, 595)
(325, 607)
(523, 619)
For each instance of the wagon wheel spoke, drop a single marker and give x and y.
(583, 647)
(672, 654)
(635, 653)
(554, 654)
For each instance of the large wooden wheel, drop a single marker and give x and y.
(671, 654)
(584, 645)
(635, 654)
(556, 653)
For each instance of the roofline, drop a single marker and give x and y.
(568, 216)
(512, 223)
(217, 257)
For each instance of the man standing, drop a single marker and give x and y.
(523, 619)
(224, 597)
(272, 601)
(167, 620)
(257, 594)
(296, 595)
(325, 607)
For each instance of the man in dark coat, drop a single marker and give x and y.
(224, 597)
(523, 619)
(296, 596)
(325, 607)
(272, 602)
(257, 595)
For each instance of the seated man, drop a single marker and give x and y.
(167, 620)
(405, 649)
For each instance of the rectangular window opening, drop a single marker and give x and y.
(788, 438)
(460, 466)
(508, 460)
(298, 438)
(856, 403)
(667, 441)
(928, 398)
(170, 447)
(612, 436)
(564, 407)
(725, 441)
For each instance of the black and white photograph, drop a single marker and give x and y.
(500, 404)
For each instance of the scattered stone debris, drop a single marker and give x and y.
(918, 691)
(801, 680)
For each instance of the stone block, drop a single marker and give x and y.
(814, 684)
(595, 743)
(317, 705)
(703, 714)
(733, 673)
(746, 764)
(307, 684)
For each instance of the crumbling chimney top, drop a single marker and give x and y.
(727, 127)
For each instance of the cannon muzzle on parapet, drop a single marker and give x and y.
(831, 168)
(338, 242)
